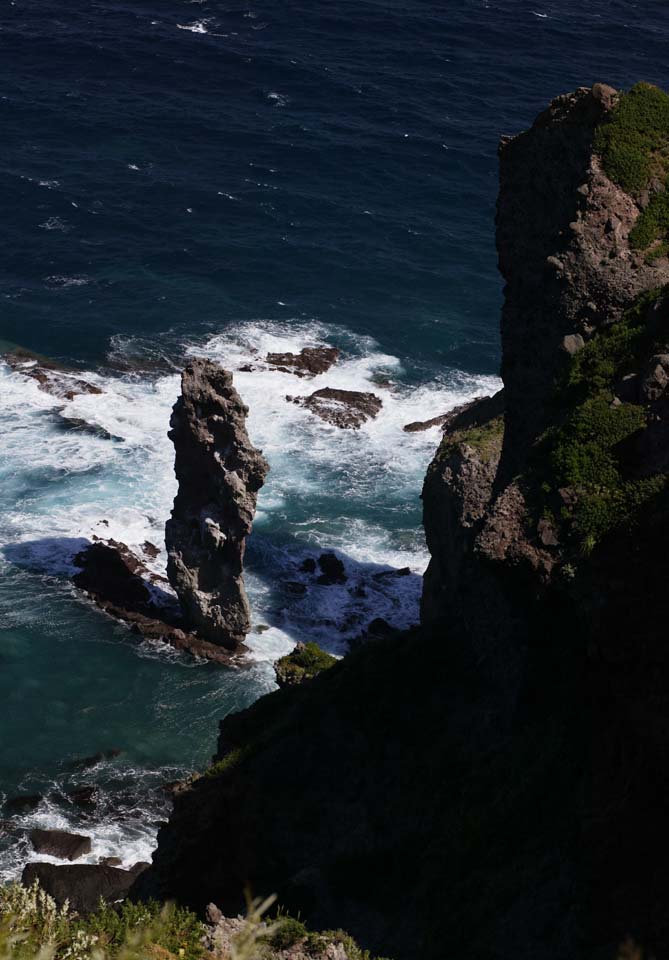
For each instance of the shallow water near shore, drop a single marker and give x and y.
(194, 178)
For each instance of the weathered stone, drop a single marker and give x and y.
(307, 363)
(347, 409)
(219, 473)
(82, 884)
(417, 425)
(23, 804)
(59, 843)
(572, 343)
(52, 377)
(654, 383)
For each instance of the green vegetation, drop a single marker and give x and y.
(652, 225)
(584, 454)
(230, 761)
(286, 933)
(634, 146)
(486, 439)
(634, 142)
(307, 660)
(31, 926)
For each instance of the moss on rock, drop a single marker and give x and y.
(304, 662)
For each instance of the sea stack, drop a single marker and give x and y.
(219, 473)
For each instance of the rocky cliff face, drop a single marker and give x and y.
(493, 784)
(219, 473)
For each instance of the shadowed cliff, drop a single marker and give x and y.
(492, 784)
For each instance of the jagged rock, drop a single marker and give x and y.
(417, 425)
(82, 884)
(333, 569)
(59, 843)
(112, 574)
(150, 549)
(219, 473)
(118, 582)
(111, 861)
(347, 409)
(307, 363)
(654, 383)
(52, 377)
(560, 281)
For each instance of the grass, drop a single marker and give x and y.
(585, 453)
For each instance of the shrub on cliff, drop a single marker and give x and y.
(634, 142)
(32, 925)
(580, 460)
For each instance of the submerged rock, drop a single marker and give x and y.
(60, 843)
(24, 803)
(347, 409)
(52, 377)
(307, 363)
(219, 473)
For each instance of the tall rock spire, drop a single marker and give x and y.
(219, 473)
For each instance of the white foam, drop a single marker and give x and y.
(354, 491)
(199, 26)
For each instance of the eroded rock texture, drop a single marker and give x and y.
(219, 473)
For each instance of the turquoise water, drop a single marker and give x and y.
(186, 178)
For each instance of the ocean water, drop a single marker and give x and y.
(223, 179)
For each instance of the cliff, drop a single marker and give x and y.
(219, 473)
(493, 784)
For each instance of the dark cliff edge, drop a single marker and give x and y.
(493, 784)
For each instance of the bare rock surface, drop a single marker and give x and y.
(309, 362)
(82, 884)
(52, 377)
(347, 409)
(60, 843)
(219, 473)
(121, 585)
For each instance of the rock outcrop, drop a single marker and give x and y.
(120, 584)
(52, 377)
(219, 473)
(347, 409)
(82, 885)
(309, 362)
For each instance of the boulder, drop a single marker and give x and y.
(307, 363)
(82, 884)
(219, 473)
(60, 843)
(347, 409)
(333, 569)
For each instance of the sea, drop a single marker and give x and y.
(228, 178)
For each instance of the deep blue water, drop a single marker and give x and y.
(220, 178)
